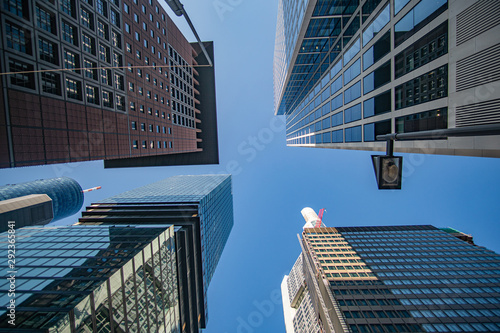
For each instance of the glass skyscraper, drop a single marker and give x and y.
(139, 261)
(66, 194)
(394, 279)
(346, 71)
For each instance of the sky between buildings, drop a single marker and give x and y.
(272, 182)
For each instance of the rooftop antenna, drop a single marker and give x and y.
(92, 189)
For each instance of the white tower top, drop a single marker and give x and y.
(310, 216)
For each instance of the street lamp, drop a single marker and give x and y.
(178, 9)
(388, 168)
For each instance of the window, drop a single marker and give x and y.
(17, 38)
(45, 20)
(117, 59)
(25, 79)
(353, 113)
(116, 39)
(69, 33)
(106, 76)
(378, 24)
(127, 27)
(132, 106)
(135, 145)
(352, 93)
(353, 134)
(352, 72)
(107, 99)
(126, 8)
(91, 94)
(90, 69)
(51, 83)
(48, 51)
(114, 17)
(104, 52)
(119, 81)
(88, 43)
(130, 86)
(120, 102)
(377, 105)
(143, 127)
(17, 7)
(372, 130)
(102, 7)
(425, 11)
(68, 7)
(102, 29)
(71, 61)
(379, 49)
(377, 78)
(423, 121)
(86, 18)
(73, 89)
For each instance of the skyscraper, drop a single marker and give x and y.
(103, 80)
(347, 71)
(141, 260)
(395, 279)
(66, 194)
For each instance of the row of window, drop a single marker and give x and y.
(450, 301)
(377, 314)
(378, 328)
(166, 130)
(464, 290)
(151, 145)
(462, 327)
(368, 302)
(434, 281)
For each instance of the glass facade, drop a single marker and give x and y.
(66, 194)
(93, 279)
(404, 279)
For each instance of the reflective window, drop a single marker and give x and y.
(352, 72)
(352, 92)
(377, 105)
(377, 78)
(378, 24)
(372, 130)
(353, 134)
(353, 113)
(379, 49)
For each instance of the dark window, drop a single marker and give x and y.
(426, 49)
(51, 83)
(48, 51)
(45, 20)
(73, 89)
(90, 69)
(17, 7)
(379, 49)
(120, 102)
(69, 33)
(71, 61)
(87, 18)
(68, 7)
(369, 7)
(377, 105)
(116, 39)
(91, 94)
(427, 87)
(18, 38)
(102, 7)
(88, 44)
(114, 17)
(372, 130)
(377, 78)
(102, 29)
(24, 79)
(107, 99)
(423, 121)
(104, 53)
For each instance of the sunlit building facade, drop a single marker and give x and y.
(346, 71)
(138, 261)
(399, 279)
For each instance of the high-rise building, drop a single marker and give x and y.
(103, 80)
(415, 278)
(138, 261)
(66, 194)
(347, 71)
(33, 209)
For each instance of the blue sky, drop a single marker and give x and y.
(272, 182)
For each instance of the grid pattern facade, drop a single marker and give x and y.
(94, 279)
(404, 279)
(359, 69)
(213, 196)
(66, 194)
(128, 88)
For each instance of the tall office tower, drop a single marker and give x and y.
(397, 279)
(138, 261)
(66, 194)
(347, 71)
(33, 209)
(103, 80)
